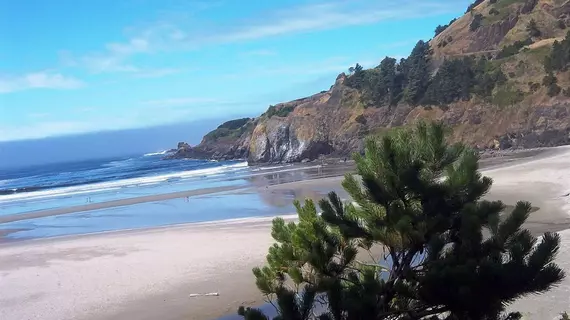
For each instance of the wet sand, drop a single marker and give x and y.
(149, 274)
(112, 204)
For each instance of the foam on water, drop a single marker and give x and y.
(156, 153)
(109, 185)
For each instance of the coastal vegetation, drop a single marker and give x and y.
(418, 242)
(230, 129)
(412, 82)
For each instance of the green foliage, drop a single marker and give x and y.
(230, 129)
(473, 5)
(559, 57)
(419, 202)
(494, 12)
(561, 24)
(513, 49)
(533, 86)
(382, 85)
(360, 119)
(356, 79)
(507, 96)
(388, 87)
(564, 316)
(453, 81)
(502, 4)
(476, 23)
(439, 29)
(417, 71)
(532, 29)
(234, 124)
(457, 79)
(281, 111)
(551, 83)
(412, 82)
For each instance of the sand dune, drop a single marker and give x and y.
(149, 274)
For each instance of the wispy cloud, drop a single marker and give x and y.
(113, 58)
(38, 80)
(172, 34)
(325, 16)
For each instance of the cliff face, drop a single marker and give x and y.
(519, 111)
(229, 141)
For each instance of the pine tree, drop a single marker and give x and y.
(453, 82)
(559, 57)
(551, 83)
(387, 89)
(417, 72)
(418, 202)
(532, 29)
(356, 79)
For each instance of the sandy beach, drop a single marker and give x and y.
(151, 273)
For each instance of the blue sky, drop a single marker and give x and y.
(70, 66)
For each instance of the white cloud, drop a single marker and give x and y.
(38, 80)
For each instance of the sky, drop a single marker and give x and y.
(69, 66)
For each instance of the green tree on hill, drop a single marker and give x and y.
(532, 29)
(452, 82)
(559, 57)
(417, 71)
(356, 80)
(444, 252)
(389, 85)
(476, 23)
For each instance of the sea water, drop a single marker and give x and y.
(55, 186)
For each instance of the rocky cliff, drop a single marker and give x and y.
(499, 93)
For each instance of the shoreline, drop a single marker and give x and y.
(150, 273)
(113, 203)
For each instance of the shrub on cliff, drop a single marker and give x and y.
(476, 23)
(532, 29)
(418, 243)
(559, 57)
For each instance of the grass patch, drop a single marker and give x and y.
(507, 95)
(503, 4)
(539, 53)
(279, 112)
(230, 130)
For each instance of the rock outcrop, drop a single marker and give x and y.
(229, 141)
(520, 113)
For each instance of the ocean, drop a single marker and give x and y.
(100, 175)
(71, 185)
